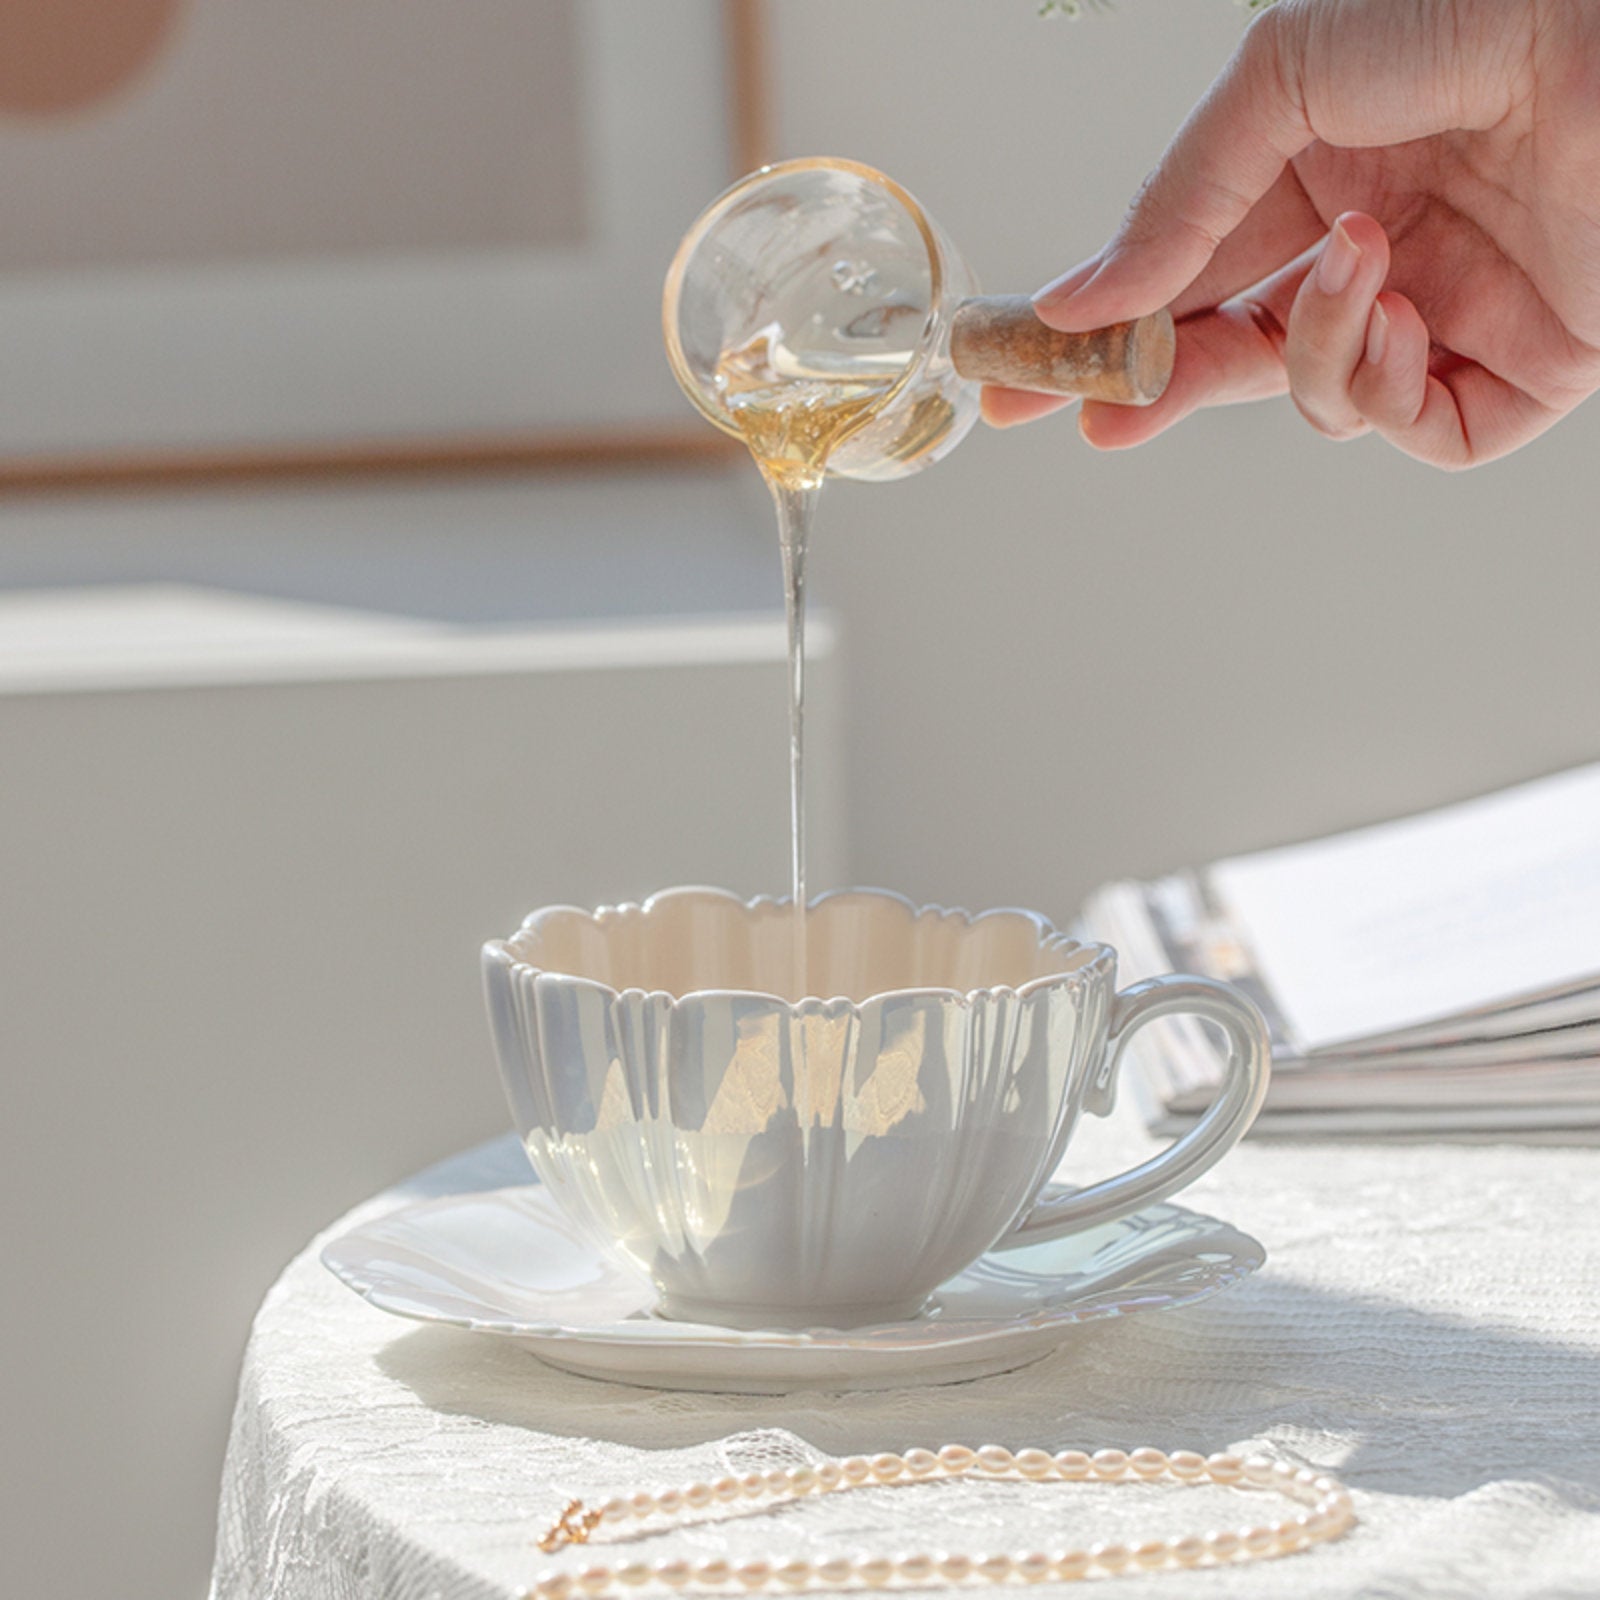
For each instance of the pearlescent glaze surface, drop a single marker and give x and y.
(769, 1162)
(508, 1262)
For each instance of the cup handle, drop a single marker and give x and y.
(1244, 1085)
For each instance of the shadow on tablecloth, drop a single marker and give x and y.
(1424, 1404)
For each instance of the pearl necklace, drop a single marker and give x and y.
(1327, 1512)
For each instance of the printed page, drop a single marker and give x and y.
(1429, 917)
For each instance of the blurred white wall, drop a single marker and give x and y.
(1066, 666)
(1063, 666)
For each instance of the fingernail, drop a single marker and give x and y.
(1064, 287)
(1377, 334)
(1337, 264)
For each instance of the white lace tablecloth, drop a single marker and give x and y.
(1427, 1327)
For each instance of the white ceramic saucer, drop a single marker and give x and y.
(506, 1262)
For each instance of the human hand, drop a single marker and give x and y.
(1390, 208)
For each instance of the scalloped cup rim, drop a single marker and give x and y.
(1097, 956)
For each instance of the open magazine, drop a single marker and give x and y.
(1438, 974)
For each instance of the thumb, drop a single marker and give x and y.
(1225, 157)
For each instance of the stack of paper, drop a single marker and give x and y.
(1436, 974)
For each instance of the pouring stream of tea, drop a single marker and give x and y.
(793, 412)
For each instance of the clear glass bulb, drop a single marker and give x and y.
(808, 312)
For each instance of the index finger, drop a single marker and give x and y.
(1229, 152)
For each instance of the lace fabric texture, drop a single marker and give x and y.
(1427, 1327)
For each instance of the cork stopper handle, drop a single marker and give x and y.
(999, 339)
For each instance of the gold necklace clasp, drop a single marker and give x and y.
(573, 1526)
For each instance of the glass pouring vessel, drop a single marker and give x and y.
(824, 283)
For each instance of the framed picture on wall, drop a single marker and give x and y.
(281, 236)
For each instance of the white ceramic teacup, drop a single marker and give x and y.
(828, 1162)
